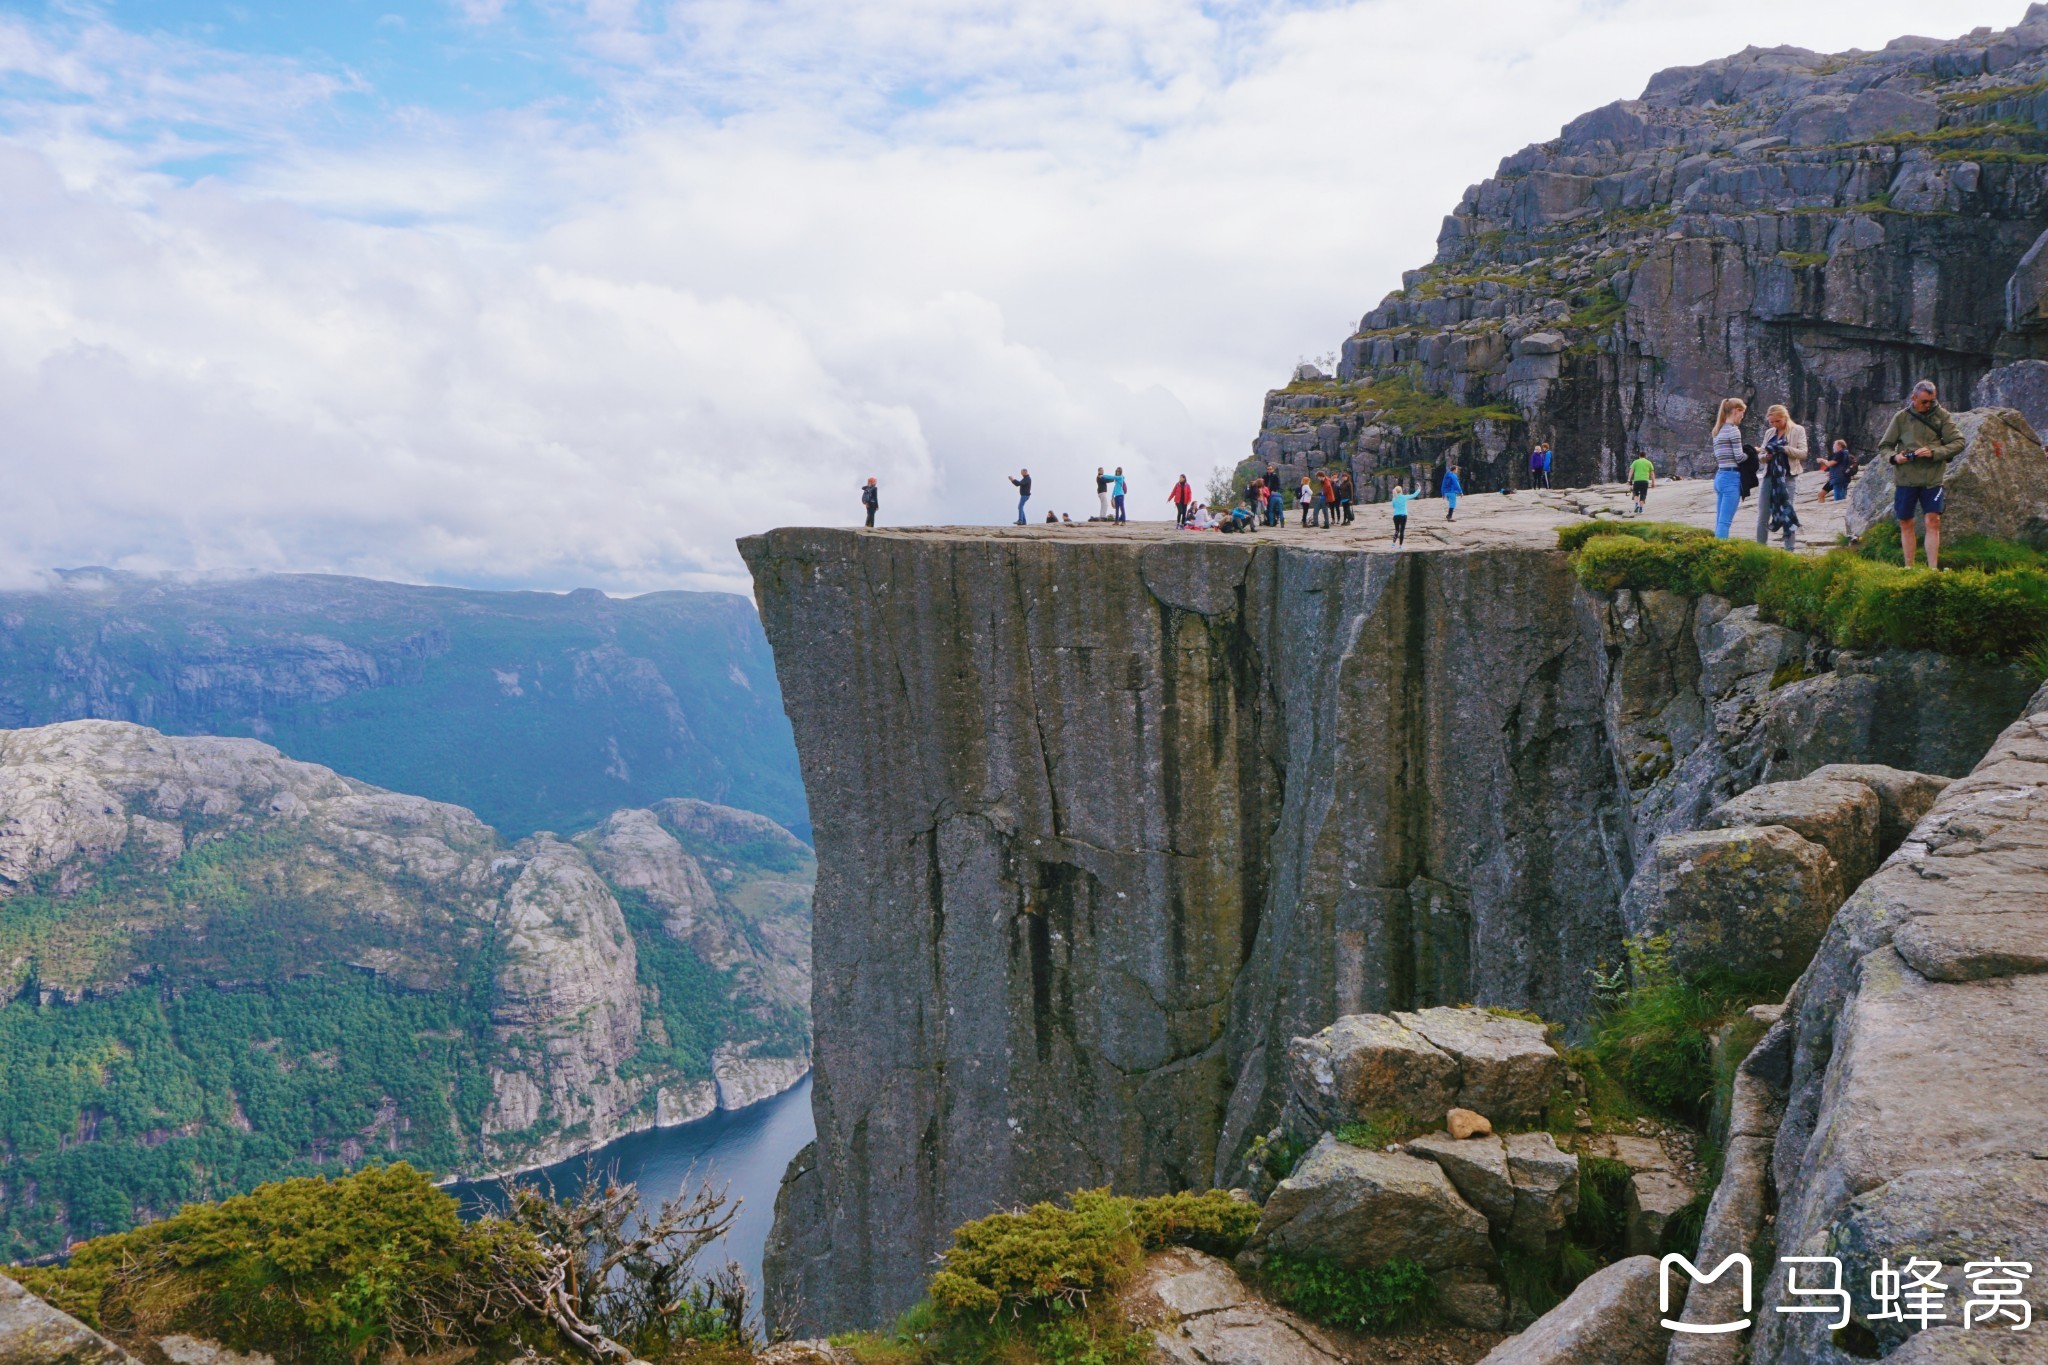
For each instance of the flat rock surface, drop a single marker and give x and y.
(1201, 1313)
(1610, 1319)
(1526, 519)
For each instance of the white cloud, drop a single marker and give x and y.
(792, 244)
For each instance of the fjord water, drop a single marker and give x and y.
(744, 1150)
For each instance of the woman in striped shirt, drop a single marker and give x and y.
(1727, 463)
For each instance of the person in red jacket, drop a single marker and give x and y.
(1182, 497)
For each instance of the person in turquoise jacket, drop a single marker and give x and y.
(1400, 516)
(1451, 490)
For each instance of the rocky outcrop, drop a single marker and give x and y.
(1790, 226)
(1997, 487)
(34, 1333)
(1414, 1068)
(1911, 1077)
(1105, 824)
(1610, 1319)
(156, 868)
(1200, 1313)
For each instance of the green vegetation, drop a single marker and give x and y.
(1658, 1039)
(1380, 1130)
(1398, 1293)
(1035, 1285)
(1600, 310)
(379, 1265)
(1804, 260)
(1973, 99)
(1997, 610)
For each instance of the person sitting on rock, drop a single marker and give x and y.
(1920, 441)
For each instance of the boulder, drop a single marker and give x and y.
(1465, 1123)
(1654, 1199)
(1841, 816)
(1478, 1166)
(1469, 1298)
(2021, 386)
(1507, 1068)
(1546, 1183)
(1959, 1346)
(1420, 1066)
(1751, 900)
(34, 1333)
(1610, 1319)
(1902, 797)
(1912, 709)
(1363, 1065)
(1200, 1313)
(1361, 1208)
(1997, 487)
(815, 1351)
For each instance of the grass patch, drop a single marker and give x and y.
(1848, 598)
(1378, 1130)
(1973, 99)
(1377, 1298)
(1657, 1040)
(1804, 260)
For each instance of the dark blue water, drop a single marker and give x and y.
(744, 1150)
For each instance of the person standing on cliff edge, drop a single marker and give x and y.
(1102, 493)
(1022, 483)
(1920, 442)
(1183, 499)
(871, 498)
(1728, 457)
(1116, 493)
(1451, 488)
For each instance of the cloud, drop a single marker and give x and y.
(592, 339)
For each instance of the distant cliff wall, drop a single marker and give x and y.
(1102, 824)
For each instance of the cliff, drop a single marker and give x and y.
(1104, 822)
(536, 710)
(223, 965)
(1787, 226)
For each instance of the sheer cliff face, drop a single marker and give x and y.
(1101, 826)
(1788, 226)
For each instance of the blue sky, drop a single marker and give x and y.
(566, 292)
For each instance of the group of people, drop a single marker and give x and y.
(1919, 442)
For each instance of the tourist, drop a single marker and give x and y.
(1276, 503)
(1308, 501)
(871, 498)
(1326, 500)
(1345, 491)
(1642, 477)
(1116, 493)
(1102, 494)
(1790, 438)
(1920, 442)
(1022, 483)
(1838, 464)
(1451, 489)
(1400, 502)
(1728, 457)
(1052, 518)
(1778, 509)
(1066, 519)
(1548, 456)
(1539, 466)
(1183, 499)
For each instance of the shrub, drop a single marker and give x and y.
(1378, 1130)
(1034, 1258)
(1658, 1039)
(1366, 1299)
(1992, 600)
(311, 1270)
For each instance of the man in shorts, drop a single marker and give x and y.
(1920, 442)
(1642, 477)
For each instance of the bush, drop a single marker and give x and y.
(1211, 1221)
(1991, 602)
(1657, 1040)
(1366, 1299)
(310, 1270)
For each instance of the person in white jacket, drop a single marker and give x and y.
(1780, 423)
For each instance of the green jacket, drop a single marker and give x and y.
(1910, 431)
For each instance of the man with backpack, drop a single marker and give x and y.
(1920, 441)
(870, 498)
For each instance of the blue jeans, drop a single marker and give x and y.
(1119, 501)
(1727, 497)
(1020, 508)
